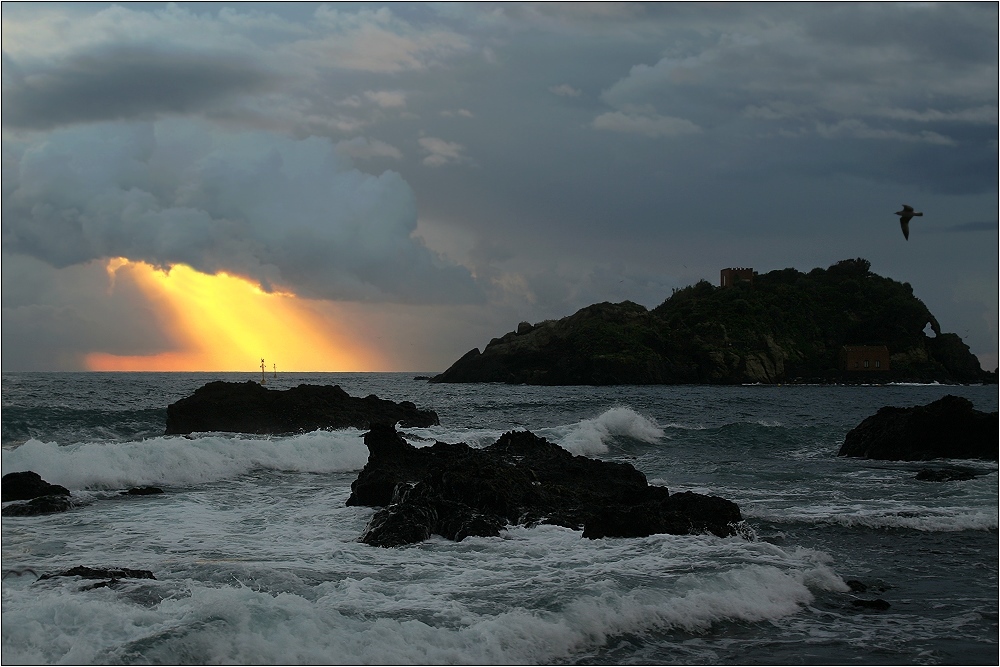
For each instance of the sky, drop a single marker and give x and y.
(383, 187)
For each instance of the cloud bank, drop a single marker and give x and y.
(286, 213)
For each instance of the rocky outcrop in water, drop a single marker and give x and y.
(456, 491)
(41, 497)
(948, 428)
(248, 407)
(27, 485)
(783, 326)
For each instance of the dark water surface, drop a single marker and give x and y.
(256, 556)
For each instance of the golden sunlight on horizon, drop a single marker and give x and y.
(227, 323)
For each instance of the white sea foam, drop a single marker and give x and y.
(425, 437)
(940, 519)
(442, 611)
(591, 436)
(685, 427)
(184, 461)
(936, 522)
(585, 437)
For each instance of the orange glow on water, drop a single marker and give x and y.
(226, 323)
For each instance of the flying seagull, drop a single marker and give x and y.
(904, 219)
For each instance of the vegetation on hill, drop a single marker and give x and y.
(786, 326)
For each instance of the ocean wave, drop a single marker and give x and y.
(185, 461)
(591, 436)
(923, 520)
(944, 523)
(685, 427)
(585, 437)
(355, 621)
(426, 437)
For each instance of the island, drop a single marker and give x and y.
(840, 324)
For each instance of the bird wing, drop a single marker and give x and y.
(904, 223)
(907, 207)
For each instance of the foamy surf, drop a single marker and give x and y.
(448, 603)
(946, 520)
(591, 436)
(585, 437)
(185, 461)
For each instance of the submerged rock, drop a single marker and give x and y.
(100, 573)
(878, 604)
(946, 474)
(37, 506)
(248, 407)
(142, 491)
(456, 491)
(948, 428)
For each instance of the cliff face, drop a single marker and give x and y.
(788, 326)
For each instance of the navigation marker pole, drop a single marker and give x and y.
(262, 380)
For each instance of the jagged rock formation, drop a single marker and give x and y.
(456, 491)
(948, 428)
(248, 407)
(786, 327)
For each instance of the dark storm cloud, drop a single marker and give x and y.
(123, 83)
(961, 32)
(53, 317)
(289, 213)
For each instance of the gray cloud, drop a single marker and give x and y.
(123, 83)
(650, 125)
(53, 317)
(290, 213)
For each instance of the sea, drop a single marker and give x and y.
(257, 558)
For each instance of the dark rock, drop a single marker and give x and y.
(947, 428)
(248, 407)
(680, 514)
(877, 604)
(142, 491)
(946, 474)
(456, 491)
(856, 586)
(27, 485)
(38, 506)
(100, 573)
